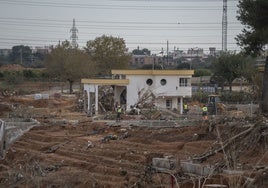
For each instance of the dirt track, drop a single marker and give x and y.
(66, 155)
(61, 155)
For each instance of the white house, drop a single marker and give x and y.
(169, 87)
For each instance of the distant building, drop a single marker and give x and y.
(5, 52)
(196, 55)
(212, 51)
(195, 52)
(42, 49)
(177, 54)
(138, 61)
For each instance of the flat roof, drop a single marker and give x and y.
(105, 81)
(154, 72)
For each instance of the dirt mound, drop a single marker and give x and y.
(69, 150)
(103, 156)
(15, 67)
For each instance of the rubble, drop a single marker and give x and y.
(180, 150)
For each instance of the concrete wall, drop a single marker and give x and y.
(164, 163)
(136, 85)
(198, 169)
(117, 92)
(161, 102)
(12, 129)
(2, 138)
(90, 89)
(171, 89)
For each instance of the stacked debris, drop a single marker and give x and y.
(146, 99)
(106, 98)
(238, 138)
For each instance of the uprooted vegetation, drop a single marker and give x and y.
(105, 156)
(68, 149)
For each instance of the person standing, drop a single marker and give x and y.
(205, 112)
(119, 111)
(185, 108)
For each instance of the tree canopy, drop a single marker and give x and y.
(254, 37)
(69, 64)
(144, 51)
(20, 54)
(202, 72)
(109, 53)
(228, 67)
(24, 56)
(254, 15)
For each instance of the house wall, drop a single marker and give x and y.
(161, 102)
(172, 88)
(136, 84)
(91, 89)
(117, 92)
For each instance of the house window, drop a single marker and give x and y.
(169, 104)
(136, 61)
(184, 82)
(149, 82)
(142, 60)
(163, 82)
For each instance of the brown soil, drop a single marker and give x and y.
(67, 155)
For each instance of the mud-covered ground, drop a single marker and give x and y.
(68, 149)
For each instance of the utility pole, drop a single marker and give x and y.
(224, 26)
(162, 52)
(74, 36)
(191, 52)
(167, 52)
(21, 55)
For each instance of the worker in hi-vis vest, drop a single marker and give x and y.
(205, 112)
(185, 108)
(119, 111)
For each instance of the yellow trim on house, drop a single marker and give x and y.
(154, 72)
(105, 81)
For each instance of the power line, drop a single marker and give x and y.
(114, 22)
(120, 26)
(150, 43)
(111, 6)
(133, 36)
(149, 35)
(172, 0)
(129, 30)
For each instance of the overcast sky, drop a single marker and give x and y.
(144, 23)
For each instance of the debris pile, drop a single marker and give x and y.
(227, 150)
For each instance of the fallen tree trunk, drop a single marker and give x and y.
(222, 146)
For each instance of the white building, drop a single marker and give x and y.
(169, 87)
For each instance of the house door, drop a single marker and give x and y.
(169, 104)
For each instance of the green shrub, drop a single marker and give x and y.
(202, 72)
(13, 77)
(236, 97)
(29, 74)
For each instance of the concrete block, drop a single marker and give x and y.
(2, 138)
(194, 168)
(40, 96)
(37, 96)
(45, 96)
(163, 163)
